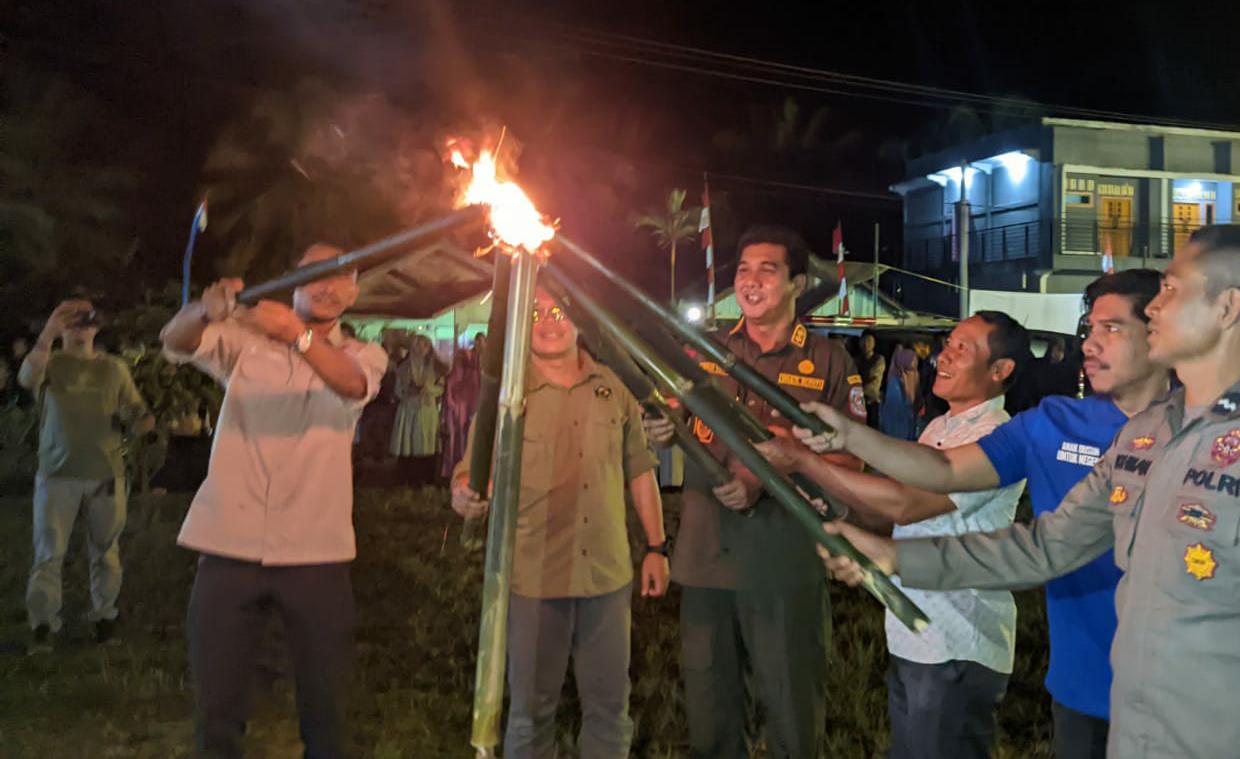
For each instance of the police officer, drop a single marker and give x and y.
(748, 570)
(1166, 497)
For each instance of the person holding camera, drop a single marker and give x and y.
(86, 401)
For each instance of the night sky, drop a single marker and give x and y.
(604, 134)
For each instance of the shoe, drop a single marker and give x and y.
(40, 641)
(105, 629)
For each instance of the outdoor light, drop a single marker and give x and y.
(695, 314)
(1016, 163)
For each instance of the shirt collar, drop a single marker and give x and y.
(535, 378)
(798, 337)
(975, 413)
(335, 336)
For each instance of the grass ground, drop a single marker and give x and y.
(417, 599)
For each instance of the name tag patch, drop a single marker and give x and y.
(1133, 464)
(1197, 516)
(796, 380)
(1208, 479)
(1199, 562)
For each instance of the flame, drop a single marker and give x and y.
(515, 222)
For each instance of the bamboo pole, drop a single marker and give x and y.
(501, 531)
(606, 350)
(726, 359)
(714, 413)
(370, 255)
(492, 366)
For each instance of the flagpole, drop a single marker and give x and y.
(874, 285)
(708, 244)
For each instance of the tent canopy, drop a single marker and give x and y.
(423, 283)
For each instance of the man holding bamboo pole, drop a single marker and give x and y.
(747, 567)
(572, 573)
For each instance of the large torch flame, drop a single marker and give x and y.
(515, 222)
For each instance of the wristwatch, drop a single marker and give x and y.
(302, 343)
(664, 549)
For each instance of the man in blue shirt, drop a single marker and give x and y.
(1053, 446)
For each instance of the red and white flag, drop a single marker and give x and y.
(837, 242)
(708, 243)
(1108, 257)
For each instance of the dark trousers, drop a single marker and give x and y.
(943, 711)
(542, 634)
(783, 636)
(227, 615)
(1077, 735)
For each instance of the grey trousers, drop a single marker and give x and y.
(56, 505)
(943, 711)
(542, 634)
(227, 616)
(783, 636)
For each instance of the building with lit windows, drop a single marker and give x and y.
(1046, 201)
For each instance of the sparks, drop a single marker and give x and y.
(515, 222)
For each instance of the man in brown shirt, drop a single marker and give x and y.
(748, 569)
(572, 572)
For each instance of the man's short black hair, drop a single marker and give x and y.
(1219, 257)
(1007, 339)
(774, 234)
(1139, 286)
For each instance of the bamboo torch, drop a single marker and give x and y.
(518, 229)
(501, 531)
(708, 407)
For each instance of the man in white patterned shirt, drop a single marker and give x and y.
(945, 683)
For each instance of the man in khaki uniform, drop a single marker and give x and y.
(750, 577)
(572, 573)
(1165, 496)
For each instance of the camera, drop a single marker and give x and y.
(84, 319)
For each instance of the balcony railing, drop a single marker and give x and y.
(926, 249)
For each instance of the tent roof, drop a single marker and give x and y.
(423, 283)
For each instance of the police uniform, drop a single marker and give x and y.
(754, 576)
(1166, 496)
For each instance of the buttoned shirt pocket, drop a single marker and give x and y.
(1203, 538)
(537, 469)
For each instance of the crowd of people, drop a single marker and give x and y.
(417, 424)
(1134, 490)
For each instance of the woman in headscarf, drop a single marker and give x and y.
(415, 434)
(460, 401)
(897, 416)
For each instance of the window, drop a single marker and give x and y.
(1079, 200)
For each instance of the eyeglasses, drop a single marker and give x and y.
(554, 313)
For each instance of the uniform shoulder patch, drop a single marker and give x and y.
(854, 379)
(1143, 443)
(806, 367)
(702, 432)
(799, 335)
(710, 367)
(856, 401)
(1226, 448)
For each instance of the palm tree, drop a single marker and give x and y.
(670, 226)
